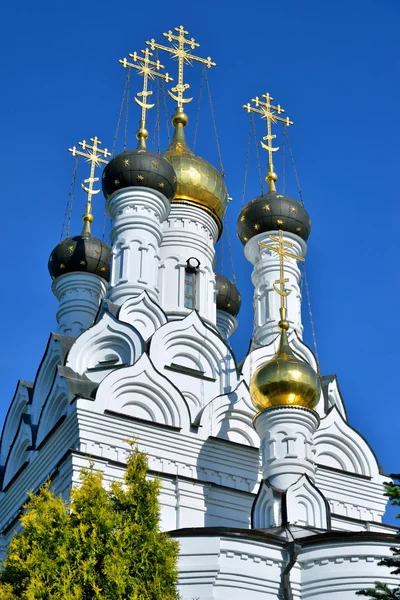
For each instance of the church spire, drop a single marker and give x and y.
(95, 156)
(144, 66)
(271, 114)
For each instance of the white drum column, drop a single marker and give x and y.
(265, 274)
(136, 235)
(287, 444)
(79, 295)
(189, 232)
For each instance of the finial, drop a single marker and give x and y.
(184, 56)
(94, 157)
(270, 113)
(144, 67)
(279, 248)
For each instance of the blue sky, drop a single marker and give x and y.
(332, 65)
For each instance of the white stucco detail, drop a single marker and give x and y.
(226, 323)
(305, 504)
(54, 407)
(140, 391)
(339, 446)
(137, 214)
(335, 398)
(195, 359)
(287, 446)
(105, 346)
(143, 314)
(45, 376)
(230, 417)
(18, 407)
(79, 296)
(189, 232)
(20, 450)
(265, 274)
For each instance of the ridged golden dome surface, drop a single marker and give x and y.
(198, 182)
(285, 380)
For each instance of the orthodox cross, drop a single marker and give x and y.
(270, 113)
(279, 248)
(144, 67)
(95, 156)
(184, 56)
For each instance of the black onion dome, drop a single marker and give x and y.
(139, 168)
(82, 253)
(228, 297)
(270, 212)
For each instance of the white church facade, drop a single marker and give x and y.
(269, 490)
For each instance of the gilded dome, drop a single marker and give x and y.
(285, 380)
(198, 182)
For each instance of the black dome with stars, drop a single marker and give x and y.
(270, 212)
(228, 297)
(82, 253)
(139, 168)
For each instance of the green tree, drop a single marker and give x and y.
(382, 590)
(101, 544)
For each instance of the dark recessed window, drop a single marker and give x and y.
(190, 289)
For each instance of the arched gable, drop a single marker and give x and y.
(230, 417)
(19, 452)
(143, 314)
(304, 504)
(54, 356)
(195, 359)
(107, 345)
(140, 391)
(19, 406)
(55, 406)
(339, 446)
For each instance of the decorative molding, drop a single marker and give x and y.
(54, 407)
(304, 504)
(19, 452)
(19, 406)
(190, 344)
(140, 391)
(230, 417)
(338, 445)
(142, 313)
(107, 345)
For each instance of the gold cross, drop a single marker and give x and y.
(184, 57)
(94, 156)
(270, 113)
(279, 248)
(144, 67)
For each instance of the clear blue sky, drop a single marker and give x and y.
(332, 65)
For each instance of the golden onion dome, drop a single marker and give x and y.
(198, 182)
(285, 380)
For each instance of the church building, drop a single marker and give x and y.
(270, 491)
